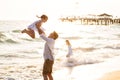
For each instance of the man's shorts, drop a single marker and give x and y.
(47, 67)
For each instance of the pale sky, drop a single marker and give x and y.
(28, 9)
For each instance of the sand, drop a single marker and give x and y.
(20, 72)
(108, 70)
(91, 71)
(115, 75)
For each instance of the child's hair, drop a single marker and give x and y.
(55, 35)
(67, 42)
(44, 17)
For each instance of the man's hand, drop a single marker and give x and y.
(38, 24)
(40, 31)
(67, 55)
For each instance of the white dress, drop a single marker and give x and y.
(69, 51)
(70, 60)
(33, 26)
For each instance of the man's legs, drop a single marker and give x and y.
(47, 70)
(50, 76)
(45, 77)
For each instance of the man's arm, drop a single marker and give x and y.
(42, 34)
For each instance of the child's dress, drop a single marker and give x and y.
(33, 26)
(69, 51)
(70, 59)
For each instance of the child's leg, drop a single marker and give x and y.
(30, 32)
(23, 31)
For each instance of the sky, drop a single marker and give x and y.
(28, 9)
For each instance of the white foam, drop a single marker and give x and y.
(88, 72)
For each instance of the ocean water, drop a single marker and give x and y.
(91, 44)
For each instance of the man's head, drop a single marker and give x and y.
(53, 35)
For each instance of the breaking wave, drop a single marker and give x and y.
(13, 37)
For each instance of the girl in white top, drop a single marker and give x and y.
(32, 27)
(69, 48)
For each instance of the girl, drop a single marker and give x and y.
(69, 48)
(32, 27)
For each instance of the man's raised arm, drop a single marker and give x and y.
(40, 31)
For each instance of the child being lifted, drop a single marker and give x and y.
(32, 27)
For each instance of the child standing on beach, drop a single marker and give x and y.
(69, 48)
(70, 59)
(32, 27)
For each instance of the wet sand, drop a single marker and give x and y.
(115, 75)
(108, 70)
(20, 72)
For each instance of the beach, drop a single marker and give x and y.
(108, 70)
(96, 51)
(115, 75)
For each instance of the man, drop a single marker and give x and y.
(48, 53)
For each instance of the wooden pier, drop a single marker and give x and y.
(102, 19)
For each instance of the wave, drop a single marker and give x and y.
(73, 62)
(12, 37)
(8, 41)
(26, 39)
(118, 35)
(89, 49)
(4, 38)
(17, 56)
(2, 35)
(85, 56)
(71, 37)
(16, 31)
(112, 47)
(78, 59)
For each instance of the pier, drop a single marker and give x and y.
(90, 19)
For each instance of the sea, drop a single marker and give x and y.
(91, 44)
